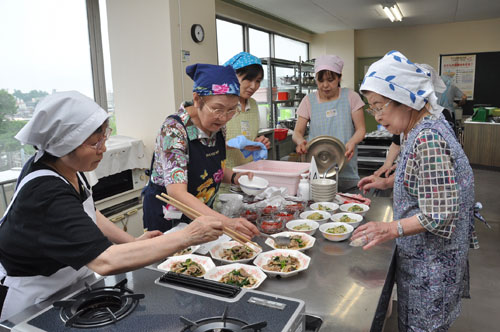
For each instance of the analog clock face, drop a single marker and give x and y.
(197, 33)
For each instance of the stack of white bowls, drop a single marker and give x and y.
(323, 190)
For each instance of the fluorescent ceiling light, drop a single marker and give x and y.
(393, 12)
(389, 14)
(397, 13)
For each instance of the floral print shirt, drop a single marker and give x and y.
(171, 155)
(430, 176)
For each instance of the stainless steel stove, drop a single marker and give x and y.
(149, 300)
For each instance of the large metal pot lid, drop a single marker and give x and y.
(326, 150)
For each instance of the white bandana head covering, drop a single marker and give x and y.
(396, 77)
(61, 122)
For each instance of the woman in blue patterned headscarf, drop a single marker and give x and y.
(190, 151)
(250, 73)
(433, 196)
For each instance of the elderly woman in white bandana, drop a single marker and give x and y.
(433, 196)
(51, 235)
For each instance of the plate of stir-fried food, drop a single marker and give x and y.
(282, 262)
(241, 275)
(298, 241)
(233, 252)
(193, 265)
(187, 251)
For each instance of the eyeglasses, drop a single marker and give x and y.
(100, 143)
(229, 114)
(377, 110)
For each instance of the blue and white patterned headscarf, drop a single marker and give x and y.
(241, 60)
(396, 77)
(212, 80)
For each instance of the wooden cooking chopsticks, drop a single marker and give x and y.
(193, 214)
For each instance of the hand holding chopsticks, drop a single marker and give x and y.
(193, 214)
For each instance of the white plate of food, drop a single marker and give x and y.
(232, 252)
(352, 219)
(187, 251)
(316, 215)
(358, 208)
(193, 265)
(242, 275)
(303, 226)
(299, 241)
(329, 207)
(282, 262)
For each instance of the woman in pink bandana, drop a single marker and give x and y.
(332, 111)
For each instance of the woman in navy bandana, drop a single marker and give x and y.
(190, 151)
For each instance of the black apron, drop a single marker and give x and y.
(205, 172)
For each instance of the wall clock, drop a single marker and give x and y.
(197, 33)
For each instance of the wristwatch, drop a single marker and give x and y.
(401, 233)
(232, 177)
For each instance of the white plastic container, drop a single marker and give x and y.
(278, 173)
(304, 188)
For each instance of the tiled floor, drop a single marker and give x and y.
(482, 312)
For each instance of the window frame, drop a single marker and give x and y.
(96, 53)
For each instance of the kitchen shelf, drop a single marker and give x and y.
(299, 68)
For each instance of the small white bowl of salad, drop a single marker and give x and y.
(357, 208)
(352, 219)
(303, 225)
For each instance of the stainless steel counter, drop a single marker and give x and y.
(344, 285)
(347, 287)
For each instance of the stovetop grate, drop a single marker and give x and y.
(98, 307)
(221, 323)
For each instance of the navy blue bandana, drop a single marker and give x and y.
(212, 80)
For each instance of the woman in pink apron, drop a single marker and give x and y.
(51, 234)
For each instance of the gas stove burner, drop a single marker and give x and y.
(221, 324)
(98, 307)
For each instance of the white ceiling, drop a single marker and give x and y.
(331, 15)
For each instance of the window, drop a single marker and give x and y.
(229, 40)
(46, 49)
(290, 49)
(233, 38)
(259, 43)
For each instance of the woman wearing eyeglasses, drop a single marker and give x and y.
(51, 234)
(190, 151)
(332, 111)
(433, 196)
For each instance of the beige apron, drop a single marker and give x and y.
(26, 291)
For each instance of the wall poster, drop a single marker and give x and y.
(462, 68)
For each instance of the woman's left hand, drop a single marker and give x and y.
(264, 140)
(148, 235)
(374, 233)
(349, 150)
(240, 174)
(242, 226)
(261, 139)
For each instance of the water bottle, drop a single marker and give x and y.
(303, 190)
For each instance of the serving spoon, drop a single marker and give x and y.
(280, 240)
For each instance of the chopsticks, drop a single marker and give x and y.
(353, 198)
(193, 214)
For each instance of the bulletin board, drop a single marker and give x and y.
(477, 74)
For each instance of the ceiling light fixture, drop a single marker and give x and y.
(393, 12)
